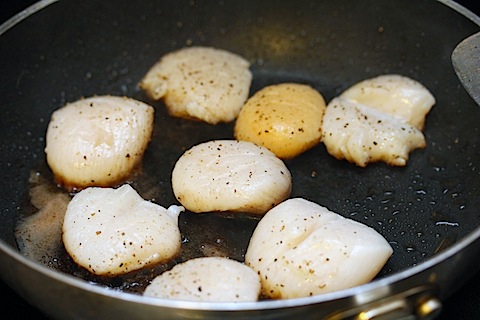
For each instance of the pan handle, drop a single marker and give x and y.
(466, 63)
(428, 308)
(417, 303)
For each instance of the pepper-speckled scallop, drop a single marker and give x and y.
(361, 135)
(378, 119)
(285, 118)
(212, 279)
(230, 175)
(98, 141)
(202, 83)
(300, 249)
(398, 96)
(114, 231)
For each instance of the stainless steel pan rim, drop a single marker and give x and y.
(461, 9)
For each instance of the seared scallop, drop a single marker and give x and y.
(201, 83)
(230, 175)
(300, 249)
(114, 231)
(395, 95)
(98, 141)
(286, 118)
(211, 279)
(378, 119)
(361, 135)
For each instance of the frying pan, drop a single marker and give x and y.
(426, 210)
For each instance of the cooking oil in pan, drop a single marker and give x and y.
(38, 235)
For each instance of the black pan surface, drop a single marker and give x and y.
(418, 208)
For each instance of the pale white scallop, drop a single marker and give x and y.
(212, 279)
(230, 175)
(97, 141)
(401, 97)
(202, 83)
(361, 135)
(300, 248)
(114, 231)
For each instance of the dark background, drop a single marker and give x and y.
(464, 304)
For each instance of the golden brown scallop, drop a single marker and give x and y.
(285, 118)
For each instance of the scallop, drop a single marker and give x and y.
(98, 141)
(378, 119)
(300, 249)
(230, 175)
(212, 279)
(286, 118)
(361, 135)
(114, 231)
(398, 96)
(202, 83)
